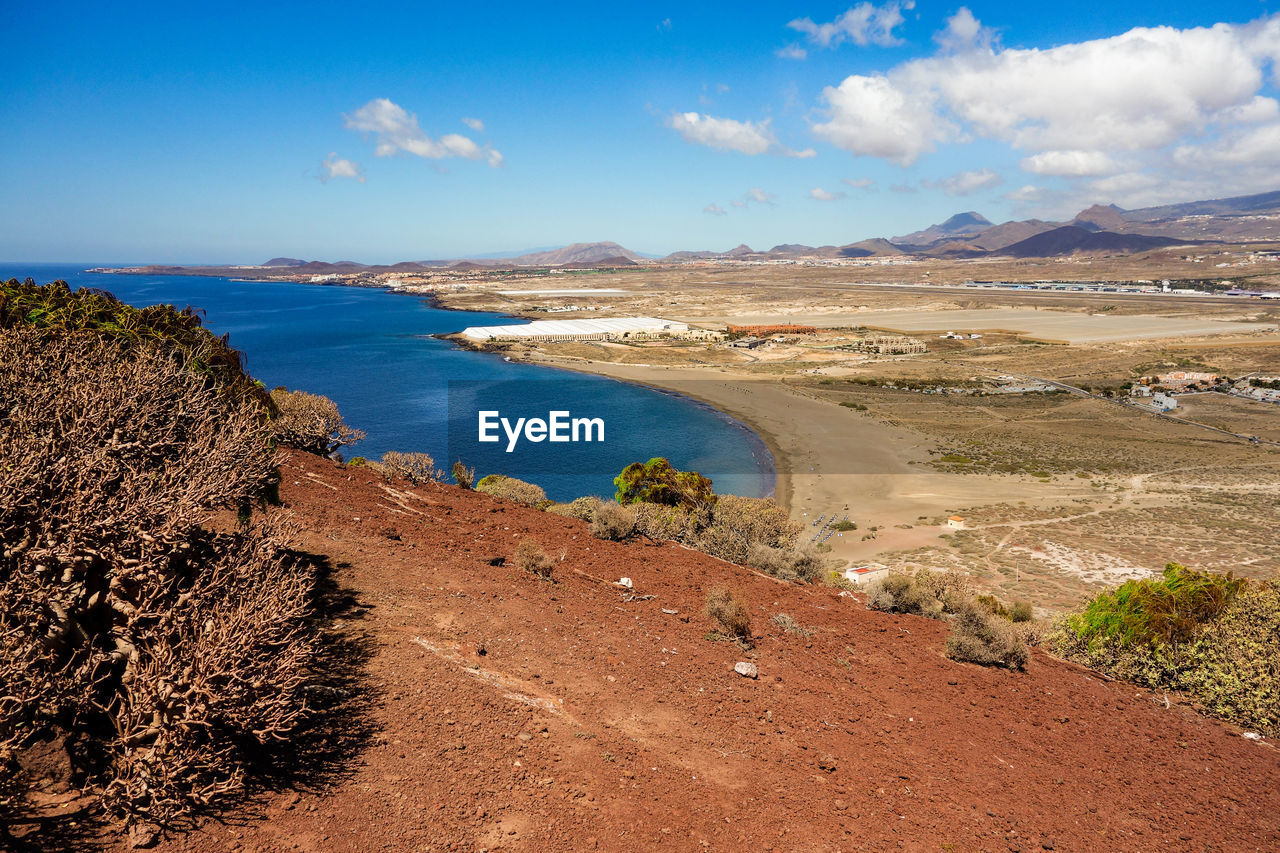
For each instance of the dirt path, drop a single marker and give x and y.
(507, 713)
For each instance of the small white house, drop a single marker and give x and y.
(863, 575)
(1163, 401)
(955, 522)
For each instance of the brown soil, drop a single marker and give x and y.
(512, 713)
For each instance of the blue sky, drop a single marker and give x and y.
(388, 132)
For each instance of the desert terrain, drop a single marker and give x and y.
(1062, 490)
(472, 706)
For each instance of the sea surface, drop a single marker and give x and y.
(371, 351)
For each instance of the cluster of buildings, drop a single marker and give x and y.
(886, 345)
(602, 329)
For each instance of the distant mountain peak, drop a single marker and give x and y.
(284, 262)
(964, 220)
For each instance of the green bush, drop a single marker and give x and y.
(979, 637)
(898, 593)
(657, 482)
(511, 489)
(1168, 610)
(1213, 636)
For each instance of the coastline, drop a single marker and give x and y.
(831, 461)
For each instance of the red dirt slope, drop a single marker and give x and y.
(510, 713)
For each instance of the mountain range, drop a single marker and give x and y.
(1100, 229)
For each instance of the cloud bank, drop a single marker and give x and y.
(396, 130)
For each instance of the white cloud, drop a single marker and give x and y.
(860, 183)
(339, 167)
(726, 134)
(903, 189)
(396, 130)
(964, 32)
(1074, 164)
(791, 51)
(872, 116)
(664, 26)
(863, 24)
(824, 195)
(967, 183)
(760, 196)
(714, 209)
(475, 124)
(1145, 115)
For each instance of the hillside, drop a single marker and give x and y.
(482, 708)
(577, 253)
(1071, 239)
(960, 225)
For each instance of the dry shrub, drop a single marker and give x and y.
(791, 626)
(1021, 611)
(669, 523)
(612, 521)
(166, 654)
(531, 558)
(738, 523)
(583, 508)
(414, 467)
(979, 637)
(464, 476)
(898, 593)
(511, 489)
(792, 564)
(310, 422)
(729, 614)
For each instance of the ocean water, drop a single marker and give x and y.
(371, 351)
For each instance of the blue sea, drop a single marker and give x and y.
(371, 351)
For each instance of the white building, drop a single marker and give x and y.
(603, 329)
(863, 575)
(1163, 401)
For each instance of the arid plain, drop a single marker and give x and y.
(1062, 490)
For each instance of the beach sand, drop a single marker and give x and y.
(833, 460)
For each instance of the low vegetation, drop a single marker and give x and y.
(982, 629)
(979, 637)
(166, 654)
(657, 482)
(511, 489)
(612, 521)
(730, 615)
(583, 508)
(311, 422)
(415, 467)
(531, 558)
(1215, 637)
(464, 476)
(791, 626)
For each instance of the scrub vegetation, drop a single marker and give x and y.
(1214, 637)
(167, 646)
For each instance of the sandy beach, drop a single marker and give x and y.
(832, 460)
